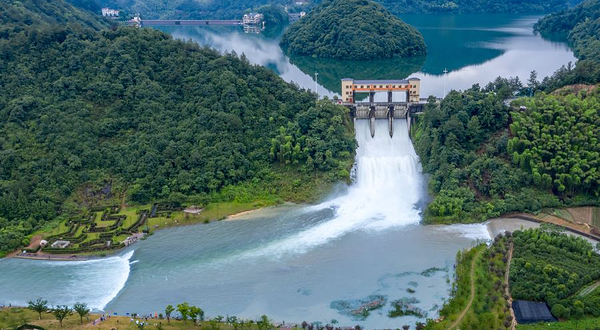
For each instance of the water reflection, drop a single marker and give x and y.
(474, 49)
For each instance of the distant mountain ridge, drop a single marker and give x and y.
(229, 9)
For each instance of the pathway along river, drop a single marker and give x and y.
(310, 263)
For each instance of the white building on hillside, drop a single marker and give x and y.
(107, 12)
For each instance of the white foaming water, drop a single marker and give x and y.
(95, 282)
(388, 186)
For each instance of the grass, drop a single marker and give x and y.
(596, 217)
(477, 296)
(583, 324)
(12, 318)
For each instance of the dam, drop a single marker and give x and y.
(407, 89)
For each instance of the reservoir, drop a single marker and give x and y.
(325, 262)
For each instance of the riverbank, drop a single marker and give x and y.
(14, 317)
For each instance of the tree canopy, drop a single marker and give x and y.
(352, 30)
(475, 6)
(164, 117)
(481, 169)
(551, 266)
(581, 27)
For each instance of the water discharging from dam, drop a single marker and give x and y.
(292, 263)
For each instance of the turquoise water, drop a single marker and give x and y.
(300, 263)
(474, 48)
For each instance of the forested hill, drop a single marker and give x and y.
(190, 9)
(352, 30)
(486, 159)
(581, 26)
(162, 118)
(17, 15)
(229, 9)
(476, 6)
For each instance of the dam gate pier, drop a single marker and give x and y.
(388, 110)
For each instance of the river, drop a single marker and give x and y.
(322, 262)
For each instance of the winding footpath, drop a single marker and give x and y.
(513, 323)
(472, 297)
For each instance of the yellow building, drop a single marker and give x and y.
(411, 86)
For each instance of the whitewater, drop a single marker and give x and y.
(290, 263)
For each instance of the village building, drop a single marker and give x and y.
(60, 244)
(111, 13)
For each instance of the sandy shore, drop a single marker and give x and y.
(263, 212)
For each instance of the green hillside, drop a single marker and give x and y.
(91, 117)
(352, 30)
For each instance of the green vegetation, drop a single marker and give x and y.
(184, 9)
(589, 323)
(556, 141)
(581, 27)
(475, 6)
(352, 30)
(15, 318)
(480, 169)
(553, 267)
(478, 300)
(88, 118)
(17, 16)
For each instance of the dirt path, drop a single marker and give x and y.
(587, 290)
(472, 297)
(35, 241)
(513, 324)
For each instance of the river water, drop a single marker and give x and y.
(323, 262)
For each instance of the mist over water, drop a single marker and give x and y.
(388, 186)
(291, 263)
(95, 282)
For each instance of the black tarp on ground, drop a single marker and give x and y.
(532, 312)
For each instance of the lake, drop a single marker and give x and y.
(474, 48)
(324, 262)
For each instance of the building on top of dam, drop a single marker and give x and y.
(410, 86)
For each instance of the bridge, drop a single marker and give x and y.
(390, 110)
(252, 23)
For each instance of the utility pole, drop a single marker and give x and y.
(445, 76)
(317, 84)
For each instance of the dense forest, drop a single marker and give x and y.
(481, 169)
(165, 118)
(229, 9)
(553, 267)
(581, 27)
(476, 6)
(352, 30)
(189, 9)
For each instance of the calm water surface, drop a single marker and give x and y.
(302, 263)
(473, 48)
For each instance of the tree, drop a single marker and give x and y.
(168, 312)
(81, 309)
(38, 306)
(560, 311)
(532, 82)
(264, 323)
(184, 310)
(578, 311)
(61, 312)
(195, 313)
(405, 327)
